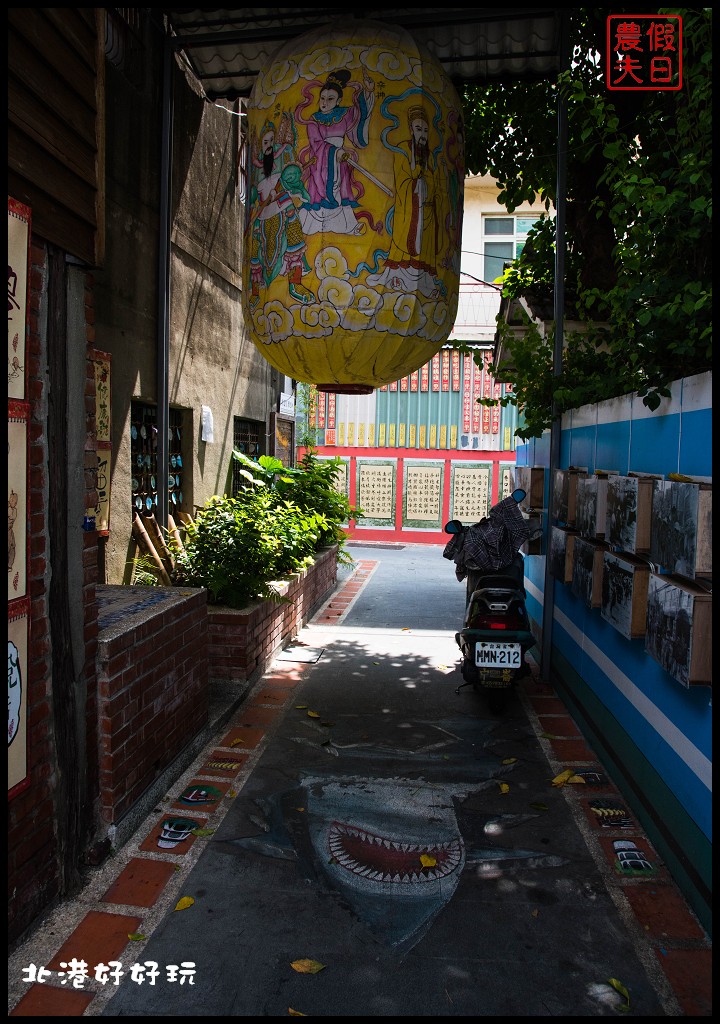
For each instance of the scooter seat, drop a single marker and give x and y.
(499, 583)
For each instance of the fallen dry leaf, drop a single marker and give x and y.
(136, 936)
(509, 760)
(563, 777)
(295, 1013)
(619, 987)
(237, 742)
(427, 861)
(202, 832)
(313, 714)
(184, 903)
(307, 966)
(504, 788)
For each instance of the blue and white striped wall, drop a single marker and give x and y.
(655, 734)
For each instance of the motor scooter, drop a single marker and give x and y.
(496, 632)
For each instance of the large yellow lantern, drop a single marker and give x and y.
(355, 168)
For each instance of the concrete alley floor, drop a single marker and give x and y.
(357, 813)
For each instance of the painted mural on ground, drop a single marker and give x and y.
(389, 840)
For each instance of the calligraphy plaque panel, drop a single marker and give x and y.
(422, 499)
(470, 493)
(376, 492)
(101, 364)
(506, 482)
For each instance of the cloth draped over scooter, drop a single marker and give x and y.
(492, 543)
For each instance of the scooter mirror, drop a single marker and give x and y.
(518, 494)
(454, 526)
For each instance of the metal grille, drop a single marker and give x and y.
(248, 438)
(143, 453)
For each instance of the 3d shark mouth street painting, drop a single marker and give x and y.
(380, 827)
(385, 860)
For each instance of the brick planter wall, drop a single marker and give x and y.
(152, 670)
(243, 642)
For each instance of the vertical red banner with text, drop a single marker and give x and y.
(467, 393)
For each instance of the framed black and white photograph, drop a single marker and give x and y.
(532, 480)
(624, 594)
(562, 542)
(591, 506)
(629, 506)
(587, 571)
(560, 495)
(678, 631)
(565, 484)
(681, 527)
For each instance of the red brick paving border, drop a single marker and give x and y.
(689, 972)
(99, 938)
(49, 1001)
(140, 883)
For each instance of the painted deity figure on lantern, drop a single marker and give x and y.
(335, 134)
(356, 203)
(411, 261)
(277, 242)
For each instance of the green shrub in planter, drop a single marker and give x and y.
(238, 547)
(311, 486)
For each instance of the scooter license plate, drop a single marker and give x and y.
(494, 655)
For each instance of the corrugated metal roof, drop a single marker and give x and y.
(227, 47)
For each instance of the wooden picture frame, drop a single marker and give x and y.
(681, 527)
(678, 631)
(562, 542)
(587, 573)
(532, 480)
(624, 593)
(591, 506)
(629, 510)
(565, 484)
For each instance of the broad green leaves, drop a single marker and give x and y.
(237, 548)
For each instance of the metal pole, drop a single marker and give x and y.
(163, 308)
(559, 314)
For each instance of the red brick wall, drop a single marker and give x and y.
(153, 698)
(243, 642)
